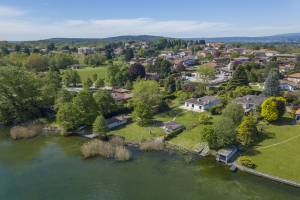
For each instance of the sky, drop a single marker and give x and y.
(42, 19)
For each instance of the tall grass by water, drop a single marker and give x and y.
(152, 145)
(24, 132)
(105, 149)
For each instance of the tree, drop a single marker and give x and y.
(62, 61)
(247, 131)
(162, 67)
(100, 125)
(104, 101)
(142, 113)
(239, 78)
(37, 62)
(88, 83)
(95, 77)
(170, 84)
(51, 47)
(242, 91)
(117, 75)
(94, 59)
(136, 71)
(99, 83)
(206, 73)
(209, 136)
(147, 92)
(272, 83)
(224, 130)
(128, 54)
(51, 87)
(20, 95)
(63, 96)
(67, 116)
(235, 112)
(71, 77)
(86, 107)
(273, 108)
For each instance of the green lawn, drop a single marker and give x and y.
(89, 71)
(279, 153)
(134, 133)
(189, 139)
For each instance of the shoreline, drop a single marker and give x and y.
(179, 149)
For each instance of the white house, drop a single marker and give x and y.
(288, 85)
(201, 104)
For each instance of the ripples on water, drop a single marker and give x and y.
(51, 168)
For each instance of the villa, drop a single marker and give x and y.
(250, 102)
(201, 104)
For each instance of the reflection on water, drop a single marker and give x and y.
(52, 168)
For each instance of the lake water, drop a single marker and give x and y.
(51, 168)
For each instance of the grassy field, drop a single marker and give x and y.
(279, 153)
(190, 138)
(89, 71)
(134, 133)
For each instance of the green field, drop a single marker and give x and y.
(134, 133)
(279, 153)
(89, 71)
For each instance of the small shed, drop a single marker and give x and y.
(117, 121)
(226, 155)
(172, 127)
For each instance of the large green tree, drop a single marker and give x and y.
(239, 78)
(235, 112)
(37, 62)
(272, 83)
(71, 77)
(20, 95)
(142, 113)
(147, 92)
(273, 108)
(247, 131)
(100, 125)
(105, 103)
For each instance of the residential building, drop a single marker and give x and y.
(288, 85)
(250, 102)
(295, 78)
(201, 104)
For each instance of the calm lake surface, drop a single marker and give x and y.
(51, 168)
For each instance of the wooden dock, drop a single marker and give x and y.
(90, 136)
(267, 176)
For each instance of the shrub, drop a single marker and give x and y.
(246, 161)
(152, 145)
(122, 154)
(24, 132)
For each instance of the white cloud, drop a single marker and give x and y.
(97, 28)
(7, 11)
(26, 30)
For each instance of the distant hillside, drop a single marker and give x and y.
(283, 38)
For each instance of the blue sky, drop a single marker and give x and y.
(39, 19)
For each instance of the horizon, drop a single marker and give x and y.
(40, 20)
